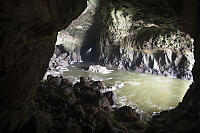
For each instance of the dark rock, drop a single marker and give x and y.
(104, 102)
(73, 129)
(49, 77)
(77, 89)
(84, 111)
(68, 91)
(28, 35)
(145, 45)
(54, 81)
(79, 110)
(84, 82)
(30, 126)
(71, 99)
(98, 84)
(128, 114)
(111, 96)
(66, 82)
(107, 127)
(91, 97)
(60, 49)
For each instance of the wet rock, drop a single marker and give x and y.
(91, 97)
(60, 49)
(66, 82)
(104, 102)
(128, 114)
(72, 109)
(98, 85)
(84, 81)
(54, 81)
(111, 96)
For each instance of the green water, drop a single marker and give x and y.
(148, 93)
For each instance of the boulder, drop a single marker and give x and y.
(99, 69)
(127, 113)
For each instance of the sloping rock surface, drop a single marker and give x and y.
(28, 34)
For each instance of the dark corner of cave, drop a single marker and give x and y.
(99, 66)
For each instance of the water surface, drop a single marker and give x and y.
(146, 92)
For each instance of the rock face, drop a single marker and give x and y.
(134, 37)
(131, 38)
(28, 34)
(185, 118)
(77, 42)
(61, 106)
(81, 36)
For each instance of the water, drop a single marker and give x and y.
(146, 92)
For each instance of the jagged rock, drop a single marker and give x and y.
(79, 110)
(84, 82)
(28, 35)
(129, 40)
(111, 96)
(71, 99)
(28, 32)
(68, 91)
(98, 85)
(54, 81)
(128, 114)
(66, 82)
(74, 129)
(87, 111)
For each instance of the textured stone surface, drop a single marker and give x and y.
(185, 118)
(82, 34)
(75, 41)
(81, 108)
(28, 34)
(134, 36)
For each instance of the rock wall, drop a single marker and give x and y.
(137, 37)
(81, 34)
(28, 34)
(185, 118)
(76, 43)
(82, 108)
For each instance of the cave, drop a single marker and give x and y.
(28, 35)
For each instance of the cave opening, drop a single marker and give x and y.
(119, 41)
(135, 35)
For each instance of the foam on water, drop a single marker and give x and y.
(148, 93)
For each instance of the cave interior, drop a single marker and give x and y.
(28, 36)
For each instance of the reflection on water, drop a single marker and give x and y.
(149, 93)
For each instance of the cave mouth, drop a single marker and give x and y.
(28, 30)
(89, 50)
(83, 42)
